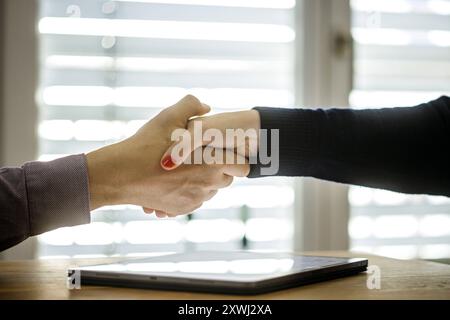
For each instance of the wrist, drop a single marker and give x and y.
(103, 177)
(253, 119)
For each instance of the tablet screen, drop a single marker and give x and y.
(221, 266)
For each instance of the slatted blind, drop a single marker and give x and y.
(402, 58)
(108, 66)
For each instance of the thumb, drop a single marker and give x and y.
(183, 110)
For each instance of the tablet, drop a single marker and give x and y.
(236, 272)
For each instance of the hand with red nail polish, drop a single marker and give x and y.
(167, 162)
(130, 171)
(240, 120)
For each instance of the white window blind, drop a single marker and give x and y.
(402, 58)
(108, 66)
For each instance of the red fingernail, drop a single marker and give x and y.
(167, 162)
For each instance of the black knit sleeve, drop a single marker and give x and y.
(403, 149)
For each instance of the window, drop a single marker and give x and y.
(402, 58)
(108, 66)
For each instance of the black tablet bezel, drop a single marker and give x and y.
(160, 282)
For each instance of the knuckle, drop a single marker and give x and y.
(200, 196)
(212, 194)
(192, 196)
(229, 181)
(165, 114)
(195, 207)
(184, 200)
(205, 182)
(189, 98)
(215, 177)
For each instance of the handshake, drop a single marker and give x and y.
(176, 161)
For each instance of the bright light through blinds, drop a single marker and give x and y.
(402, 58)
(109, 66)
(274, 4)
(156, 96)
(167, 29)
(140, 64)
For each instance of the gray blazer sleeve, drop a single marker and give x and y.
(42, 196)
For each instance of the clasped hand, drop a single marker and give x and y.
(142, 170)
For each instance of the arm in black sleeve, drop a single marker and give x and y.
(41, 196)
(401, 149)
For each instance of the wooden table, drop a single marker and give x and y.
(400, 279)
